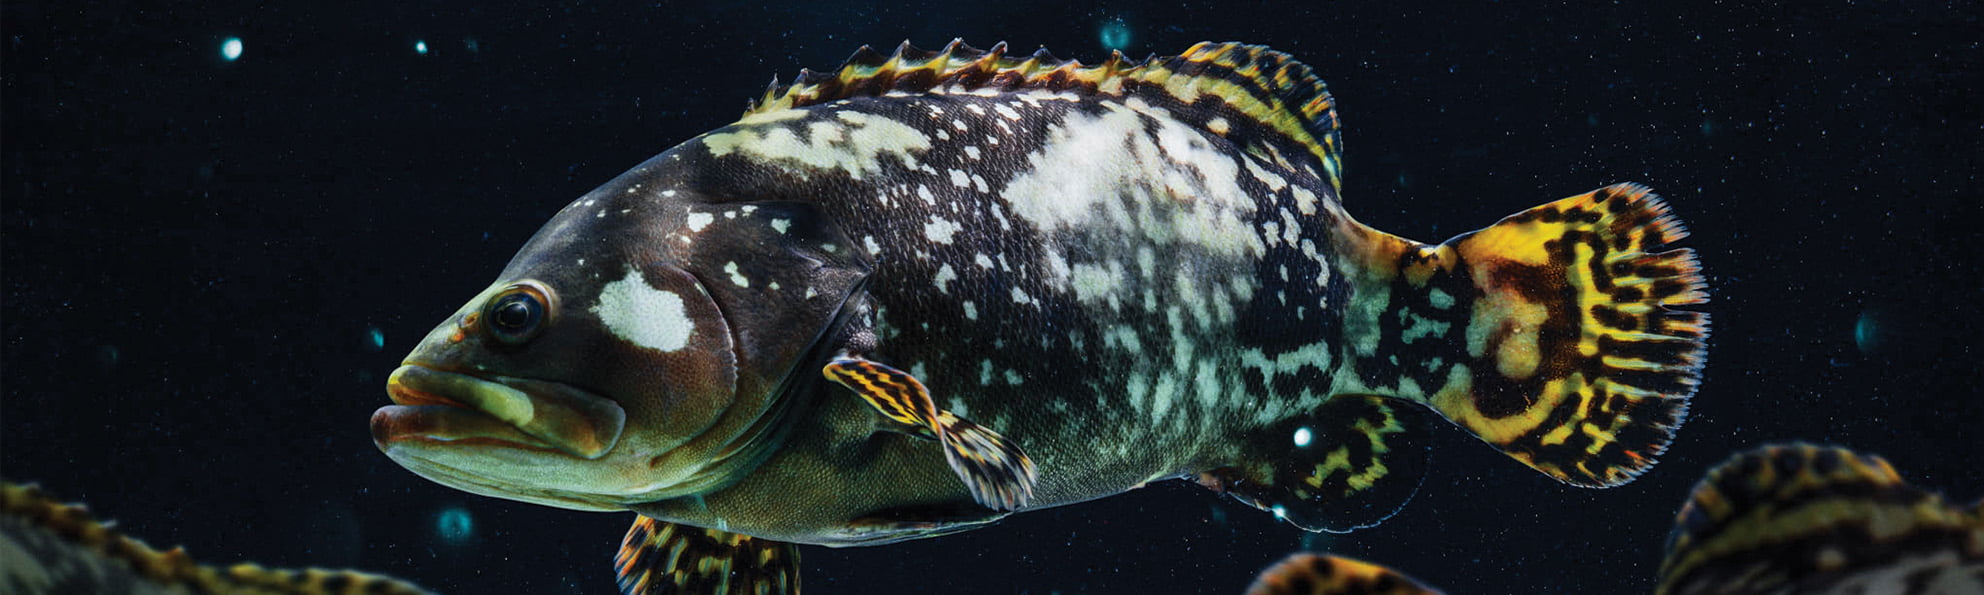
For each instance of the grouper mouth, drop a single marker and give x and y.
(444, 408)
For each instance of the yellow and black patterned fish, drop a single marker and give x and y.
(1781, 519)
(1322, 574)
(1811, 519)
(55, 548)
(928, 289)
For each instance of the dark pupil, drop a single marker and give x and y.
(514, 314)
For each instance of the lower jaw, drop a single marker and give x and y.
(428, 459)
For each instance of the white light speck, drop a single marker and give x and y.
(420, 47)
(1302, 437)
(1280, 512)
(231, 49)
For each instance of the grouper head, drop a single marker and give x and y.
(642, 346)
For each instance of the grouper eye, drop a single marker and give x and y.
(519, 312)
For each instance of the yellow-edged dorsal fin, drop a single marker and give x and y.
(1279, 94)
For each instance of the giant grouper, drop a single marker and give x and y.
(926, 290)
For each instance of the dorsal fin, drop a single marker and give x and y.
(1270, 87)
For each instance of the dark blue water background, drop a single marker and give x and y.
(210, 265)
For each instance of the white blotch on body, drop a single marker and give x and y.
(640, 314)
(941, 230)
(698, 221)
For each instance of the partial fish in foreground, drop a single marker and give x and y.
(1813, 519)
(1322, 574)
(929, 289)
(53, 547)
(1780, 519)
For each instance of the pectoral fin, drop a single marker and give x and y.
(998, 473)
(660, 558)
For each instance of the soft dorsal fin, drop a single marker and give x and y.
(1271, 88)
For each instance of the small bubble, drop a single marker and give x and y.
(420, 47)
(1867, 332)
(454, 525)
(1115, 34)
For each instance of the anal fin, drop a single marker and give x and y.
(1350, 464)
(998, 473)
(659, 558)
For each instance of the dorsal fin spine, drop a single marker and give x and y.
(1271, 88)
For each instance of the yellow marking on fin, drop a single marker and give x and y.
(999, 475)
(1254, 80)
(697, 560)
(1573, 314)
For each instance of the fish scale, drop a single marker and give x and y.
(927, 290)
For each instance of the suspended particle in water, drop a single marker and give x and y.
(1115, 34)
(454, 525)
(230, 49)
(1318, 542)
(470, 44)
(1868, 333)
(1708, 127)
(1303, 436)
(420, 47)
(375, 339)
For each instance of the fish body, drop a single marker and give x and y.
(1802, 518)
(930, 289)
(58, 548)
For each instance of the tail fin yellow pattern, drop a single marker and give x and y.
(1576, 364)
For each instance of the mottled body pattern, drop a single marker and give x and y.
(58, 548)
(1061, 255)
(1800, 518)
(925, 290)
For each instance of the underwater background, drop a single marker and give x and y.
(225, 223)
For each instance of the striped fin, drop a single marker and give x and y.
(1276, 92)
(1575, 362)
(658, 558)
(1350, 464)
(59, 548)
(999, 475)
(1801, 518)
(1315, 574)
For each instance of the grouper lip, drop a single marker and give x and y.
(445, 407)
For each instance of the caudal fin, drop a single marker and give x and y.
(1576, 364)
